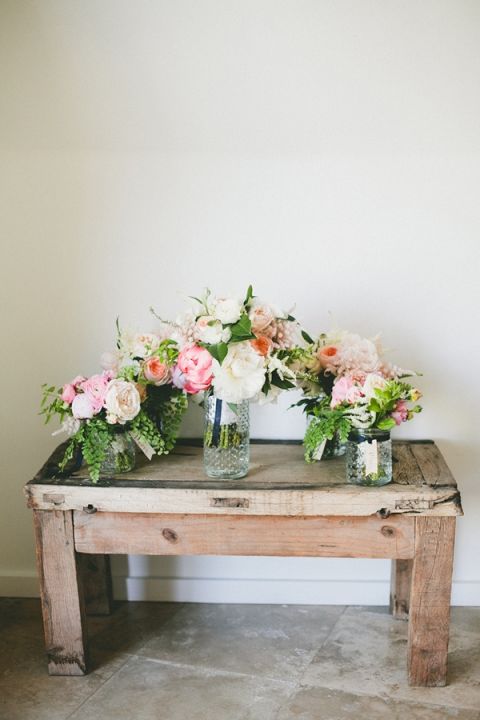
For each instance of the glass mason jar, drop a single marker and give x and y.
(119, 455)
(226, 442)
(369, 457)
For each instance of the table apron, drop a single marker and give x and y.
(205, 534)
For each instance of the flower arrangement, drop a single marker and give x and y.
(238, 350)
(134, 395)
(350, 386)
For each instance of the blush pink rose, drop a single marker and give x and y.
(95, 388)
(196, 365)
(400, 414)
(155, 371)
(68, 393)
(82, 407)
(345, 390)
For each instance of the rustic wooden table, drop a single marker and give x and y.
(283, 507)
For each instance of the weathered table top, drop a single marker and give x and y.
(279, 482)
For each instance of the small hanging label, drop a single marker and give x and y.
(144, 446)
(370, 457)
(317, 455)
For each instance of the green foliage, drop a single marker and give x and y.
(323, 427)
(249, 296)
(218, 351)
(52, 404)
(242, 329)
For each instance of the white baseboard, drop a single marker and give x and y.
(306, 592)
(211, 590)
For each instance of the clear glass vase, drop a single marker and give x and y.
(369, 457)
(119, 456)
(226, 442)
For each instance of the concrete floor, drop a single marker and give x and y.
(168, 661)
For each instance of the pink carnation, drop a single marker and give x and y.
(196, 365)
(400, 414)
(345, 390)
(95, 388)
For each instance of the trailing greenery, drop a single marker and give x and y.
(324, 425)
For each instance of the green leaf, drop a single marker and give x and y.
(307, 337)
(282, 384)
(233, 407)
(386, 424)
(218, 351)
(249, 295)
(291, 318)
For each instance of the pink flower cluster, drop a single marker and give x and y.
(194, 369)
(86, 395)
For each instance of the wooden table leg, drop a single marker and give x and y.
(97, 583)
(61, 593)
(400, 583)
(430, 601)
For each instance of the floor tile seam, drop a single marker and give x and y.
(322, 644)
(102, 685)
(213, 670)
(387, 696)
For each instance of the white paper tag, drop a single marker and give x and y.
(317, 455)
(144, 446)
(370, 457)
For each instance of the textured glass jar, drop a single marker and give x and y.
(226, 442)
(369, 457)
(119, 456)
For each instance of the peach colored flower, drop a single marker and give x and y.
(156, 371)
(328, 356)
(262, 345)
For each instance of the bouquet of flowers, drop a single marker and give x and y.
(132, 399)
(238, 350)
(233, 351)
(349, 386)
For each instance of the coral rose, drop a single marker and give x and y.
(262, 345)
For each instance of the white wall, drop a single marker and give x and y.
(326, 151)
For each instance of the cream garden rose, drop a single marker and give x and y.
(241, 375)
(122, 402)
(227, 310)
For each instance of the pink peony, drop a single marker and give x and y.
(95, 388)
(155, 371)
(345, 390)
(82, 407)
(196, 364)
(400, 414)
(68, 393)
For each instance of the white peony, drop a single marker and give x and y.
(241, 375)
(122, 402)
(227, 310)
(211, 331)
